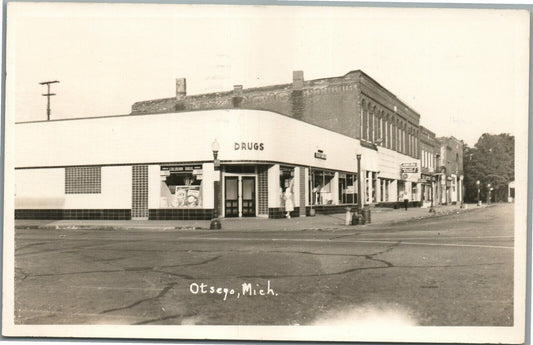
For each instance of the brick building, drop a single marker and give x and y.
(451, 170)
(296, 141)
(354, 105)
(429, 155)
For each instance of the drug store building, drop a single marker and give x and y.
(161, 166)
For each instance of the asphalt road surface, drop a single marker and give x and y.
(455, 270)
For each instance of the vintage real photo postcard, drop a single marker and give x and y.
(257, 172)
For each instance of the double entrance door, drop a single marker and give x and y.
(239, 196)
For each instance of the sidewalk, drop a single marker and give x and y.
(318, 222)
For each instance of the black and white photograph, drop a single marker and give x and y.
(265, 172)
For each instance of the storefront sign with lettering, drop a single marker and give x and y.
(320, 155)
(248, 146)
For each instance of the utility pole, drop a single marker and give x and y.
(48, 94)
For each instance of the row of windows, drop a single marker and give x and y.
(383, 129)
(428, 160)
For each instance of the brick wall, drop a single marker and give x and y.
(166, 105)
(331, 103)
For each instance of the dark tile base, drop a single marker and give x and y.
(398, 204)
(279, 212)
(181, 214)
(58, 214)
(329, 209)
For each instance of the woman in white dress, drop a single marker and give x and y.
(289, 203)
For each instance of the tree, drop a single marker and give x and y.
(490, 161)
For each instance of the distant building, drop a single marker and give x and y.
(451, 170)
(429, 154)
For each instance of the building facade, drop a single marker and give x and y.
(354, 105)
(429, 155)
(290, 144)
(162, 167)
(450, 171)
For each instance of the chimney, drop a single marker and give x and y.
(297, 80)
(237, 96)
(181, 89)
(237, 91)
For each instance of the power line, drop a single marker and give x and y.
(48, 94)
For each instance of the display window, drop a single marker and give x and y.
(401, 189)
(347, 188)
(384, 190)
(286, 185)
(181, 187)
(321, 187)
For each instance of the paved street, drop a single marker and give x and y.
(453, 270)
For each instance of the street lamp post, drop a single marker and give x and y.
(215, 222)
(432, 209)
(478, 201)
(462, 192)
(359, 199)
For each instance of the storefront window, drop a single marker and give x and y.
(286, 176)
(321, 191)
(347, 189)
(401, 189)
(181, 187)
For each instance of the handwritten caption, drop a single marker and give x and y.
(246, 290)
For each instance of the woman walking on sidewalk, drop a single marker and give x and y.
(405, 200)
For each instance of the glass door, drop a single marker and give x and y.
(231, 196)
(248, 196)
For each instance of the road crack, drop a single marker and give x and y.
(163, 318)
(162, 293)
(193, 264)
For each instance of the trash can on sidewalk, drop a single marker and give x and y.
(366, 215)
(357, 219)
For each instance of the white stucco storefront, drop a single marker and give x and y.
(160, 166)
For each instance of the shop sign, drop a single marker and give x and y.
(180, 168)
(197, 172)
(409, 168)
(165, 173)
(320, 155)
(248, 146)
(350, 190)
(425, 178)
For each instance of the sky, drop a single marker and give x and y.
(464, 71)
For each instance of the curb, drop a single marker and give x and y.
(106, 227)
(196, 228)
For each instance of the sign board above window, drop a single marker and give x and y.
(320, 155)
(182, 168)
(409, 168)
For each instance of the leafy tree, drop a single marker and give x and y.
(491, 160)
